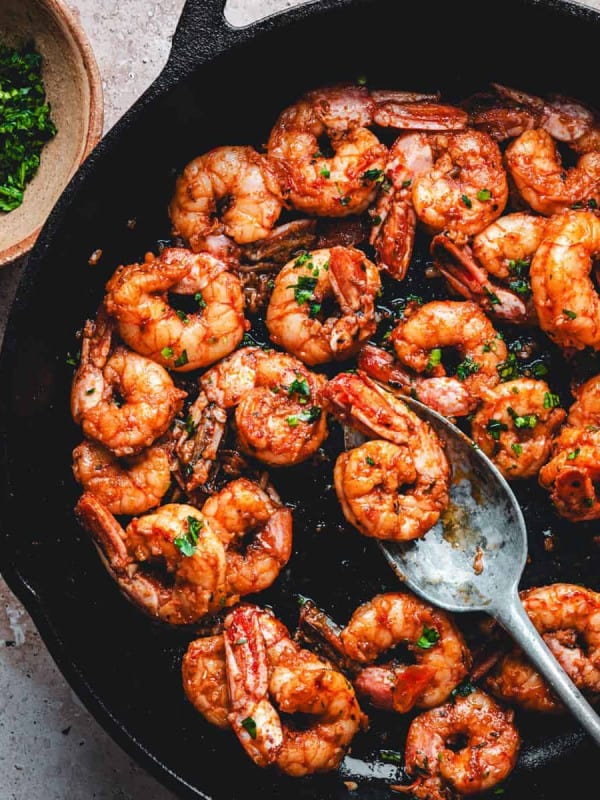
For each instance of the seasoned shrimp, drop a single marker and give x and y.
(565, 119)
(329, 187)
(393, 488)
(535, 165)
(418, 340)
(136, 296)
(242, 510)
(444, 394)
(277, 416)
(567, 303)
(296, 316)
(121, 399)
(573, 473)
(392, 492)
(230, 190)
(130, 486)
(266, 667)
(503, 251)
(176, 535)
(441, 655)
(346, 183)
(204, 674)
(442, 771)
(456, 181)
(568, 618)
(516, 424)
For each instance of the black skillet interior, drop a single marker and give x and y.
(226, 87)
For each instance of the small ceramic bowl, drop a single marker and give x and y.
(74, 91)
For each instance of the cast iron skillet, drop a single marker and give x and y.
(225, 86)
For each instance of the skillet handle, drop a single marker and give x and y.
(202, 33)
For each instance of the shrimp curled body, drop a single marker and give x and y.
(122, 400)
(566, 300)
(238, 175)
(241, 510)
(295, 319)
(568, 618)
(132, 486)
(176, 535)
(488, 757)
(136, 296)
(266, 669)
(442, 657)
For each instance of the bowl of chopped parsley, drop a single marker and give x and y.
(51, 114)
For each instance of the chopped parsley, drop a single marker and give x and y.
(428, 638)
(303, 290)
(551, 400)
(508, 370)
(435, 358)
(466, 368)
(573, 455)
(25, 121)
(186, 543)
(390, 757)
(167, 352)
(495, 427)
(182, 359)
(522, 421)
(483, 195)
(200, 300)
(569, 314)
(467, 201)
(373, 175)
(310, 415)
(299, 386)
(492, 297)
(325, 173)
(249, 725)
(517, 449)
(370, 461)
(463, 689)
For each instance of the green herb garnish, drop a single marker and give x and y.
(494, 427)
(551, 400)
(186, 543)
(428, 638)
(25, 122)
(466, 368)
(249, 725)
(483, 195)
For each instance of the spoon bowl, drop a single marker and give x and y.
(473, 559)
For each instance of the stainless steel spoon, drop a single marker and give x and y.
(473, 559)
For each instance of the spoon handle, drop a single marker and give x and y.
(514, 619)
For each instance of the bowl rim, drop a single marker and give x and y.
(71, 20)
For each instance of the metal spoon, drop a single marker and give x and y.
(473, 559)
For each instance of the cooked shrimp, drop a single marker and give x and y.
(242, 510)
(585, 411)
(230, 190)
(494, 271)
(572, 474)
(444, 394)
(568, 618)
(567, 303)
(130, 486)
(346, 183)
(516, 424)
(177, 536)
(390, 491)
(204, 676)
(394, 215)
(418, 340)
(121, 399)
(565, 119)
(393, 488)
(440, 769)
(543, 182)
(277, 416)
(296, 316)
(265, 667)
(136, 296)
(456, 181)
(441, 655)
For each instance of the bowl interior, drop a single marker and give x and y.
(73, 90)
